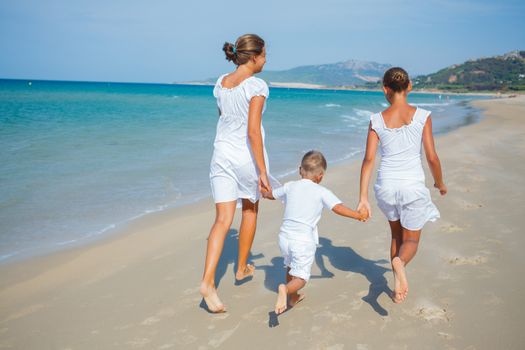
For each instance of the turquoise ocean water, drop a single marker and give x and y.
(77, 159)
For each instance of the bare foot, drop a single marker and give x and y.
(212, 299)
(295, 299)
(401, 283)
(247, 272)
(280, 305)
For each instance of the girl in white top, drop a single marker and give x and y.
(400, 187)
(239, 166)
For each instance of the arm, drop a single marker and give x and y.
(275, 193)
(366, 169)
(255, 139)
(340, 209)
(432, 158)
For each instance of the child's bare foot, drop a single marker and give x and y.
(295, 299)
(400, 281)
(280, 305)
(211, 298)
(244, 273)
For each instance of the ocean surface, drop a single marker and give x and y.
(78, 160)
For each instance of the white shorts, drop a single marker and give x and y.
(407, 201)
(298, 256)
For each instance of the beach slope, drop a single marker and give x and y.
(139, 289)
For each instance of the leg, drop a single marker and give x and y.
(291, 288)
(246, 235)
(219, 230)
(302, 258)
(294, 296)
(407, 251)
(409, 246)
(397, 237)
(395, 245)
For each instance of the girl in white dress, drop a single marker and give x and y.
(400, 186)
(239, 166)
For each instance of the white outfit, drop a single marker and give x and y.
(400, 187)
(304, 202)
(233, 171)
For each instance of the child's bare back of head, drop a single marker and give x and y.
(313, 166)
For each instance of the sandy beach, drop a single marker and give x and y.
(139, 289)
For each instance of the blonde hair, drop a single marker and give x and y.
(313, 164)
(245, 47)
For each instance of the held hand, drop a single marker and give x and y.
(363, 214)
(264, 185)
(442, 188)
(365, 206)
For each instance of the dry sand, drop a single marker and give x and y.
(140, 289)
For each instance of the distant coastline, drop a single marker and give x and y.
(294, 85)
(493, 76)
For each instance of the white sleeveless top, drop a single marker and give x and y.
(232, 160)
(401, 148)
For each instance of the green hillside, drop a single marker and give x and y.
(500, 73)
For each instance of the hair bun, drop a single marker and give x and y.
(397, 79)
(228, 51)
(246, 46)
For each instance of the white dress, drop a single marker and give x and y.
(400, 186)
(233, 171)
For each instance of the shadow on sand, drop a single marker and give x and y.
(346, 259)
(341, 258)
(229, 256)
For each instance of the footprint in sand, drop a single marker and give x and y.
(492, 299)
(446, 336)
(257, 314)
(183, 338)
(469, 205)
(462, 260)
(150, 321)
(221, 337)
(191, 291)
(463, 189)
(431, 313)
(167, 312)
(356, 304)
(451, 228)
(139, 342)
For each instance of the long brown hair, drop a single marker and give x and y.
(245, 47)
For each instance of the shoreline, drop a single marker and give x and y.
(284, 85)
(140, 290)
(117, 229)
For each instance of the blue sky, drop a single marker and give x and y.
(166, 41)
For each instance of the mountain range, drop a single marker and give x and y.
(497, 73)
(347, 73)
